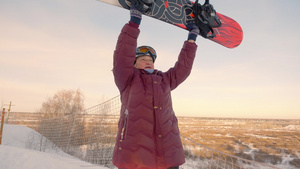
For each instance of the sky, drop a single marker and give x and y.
(52, 45)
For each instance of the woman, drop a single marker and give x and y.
(148, 136)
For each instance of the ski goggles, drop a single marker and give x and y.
(146, 50)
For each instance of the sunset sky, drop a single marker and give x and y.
(50, 45)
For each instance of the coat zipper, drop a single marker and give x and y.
(124, 129)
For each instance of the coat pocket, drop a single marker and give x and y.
(125, 125)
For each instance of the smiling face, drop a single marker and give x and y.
(144, 62)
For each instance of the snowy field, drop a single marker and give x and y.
(270, 142)
(14, 153)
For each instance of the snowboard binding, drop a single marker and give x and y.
(143, 6)
(206, 19)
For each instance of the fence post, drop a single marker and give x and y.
(2, 122)
(8, 111)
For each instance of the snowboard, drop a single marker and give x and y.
(229, 34)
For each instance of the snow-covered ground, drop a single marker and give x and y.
(20, 151)
(15, 153)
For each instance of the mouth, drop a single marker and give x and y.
(148, 67)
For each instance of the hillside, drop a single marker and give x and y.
(272, 142)
(15, 152)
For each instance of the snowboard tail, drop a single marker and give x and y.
(230, 34)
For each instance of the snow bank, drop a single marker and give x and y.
(292, 127)
(14, 152)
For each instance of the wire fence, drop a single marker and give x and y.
(90, 136)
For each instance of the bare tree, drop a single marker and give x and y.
(62, 119)
(64, 102)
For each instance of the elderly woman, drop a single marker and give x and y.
(148, 136)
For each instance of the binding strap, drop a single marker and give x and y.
(206, 19)
(144, 6)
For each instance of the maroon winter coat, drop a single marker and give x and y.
(148, 136)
